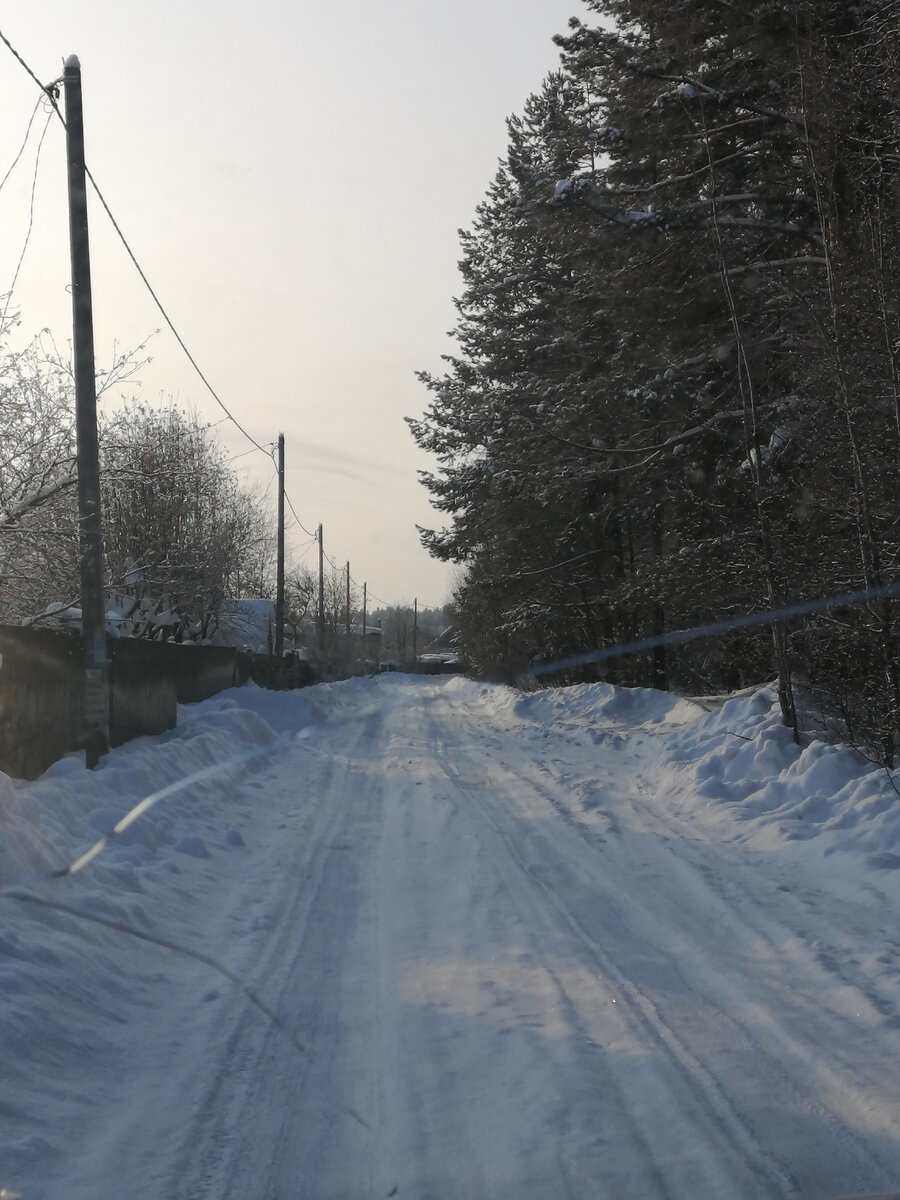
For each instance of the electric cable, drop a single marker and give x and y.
(15, 161)
(269, 453)
(168, 320)
(51, 92)
(372, 596)
(48, 91)
(3, 38)
(37, 163)
(308, 532)
(143, 275)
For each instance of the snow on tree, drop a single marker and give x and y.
(676, 391)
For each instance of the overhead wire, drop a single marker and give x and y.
(168, 320)
(332, 562)
(51, 91)
(234, 458)
(37, 164)
(15, 161)
(268, 452)
(308, 532)
(372, 595)
(21, 60)
(300, 553)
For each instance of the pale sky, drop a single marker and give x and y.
(291, 176)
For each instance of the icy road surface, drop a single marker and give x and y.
(590, 943)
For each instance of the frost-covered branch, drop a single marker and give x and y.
(37, 497)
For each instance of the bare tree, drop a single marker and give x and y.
(175, 508)
(300, 592)
(38, 511)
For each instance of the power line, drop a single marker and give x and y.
(243, 453)
(46, 88)
(555, 566)
(168, 320)
(333, 564)
(15, 161)
(299, 553)
(37, 163)
(50, 91)
(308, 532)
(256, 445)
(372, 596)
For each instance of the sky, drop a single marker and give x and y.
(291, 177)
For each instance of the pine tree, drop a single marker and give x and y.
(677, 394)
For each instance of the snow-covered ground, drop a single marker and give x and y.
(473, 944)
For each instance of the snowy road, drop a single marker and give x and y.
(553, 946)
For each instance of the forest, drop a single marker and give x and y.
(674, 396)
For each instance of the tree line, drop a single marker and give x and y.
(676, 393)
(182, 531)
(180, 526)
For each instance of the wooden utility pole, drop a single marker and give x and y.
(93, 599)
(321, 617)
(364, 617)
(348, 602)
(279, 586)
(415, 631)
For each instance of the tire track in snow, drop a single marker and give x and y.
(418, 856)
(831, 1088)
(223, 1147)
(696, 1078)
(746, 911)
(870, 1166)
(434, 1059)
(647, 1177)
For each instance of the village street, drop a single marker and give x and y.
(558, 945)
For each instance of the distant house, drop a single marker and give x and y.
(126, 616)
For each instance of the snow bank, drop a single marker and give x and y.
(89, 989)
(47, 823)
(739, 765)
(593, 703)
(736, 765)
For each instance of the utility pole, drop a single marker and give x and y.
(415, 631)
(348, 602)
(321, 618)
(279, 587)
(93, 599)
(364, 616)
